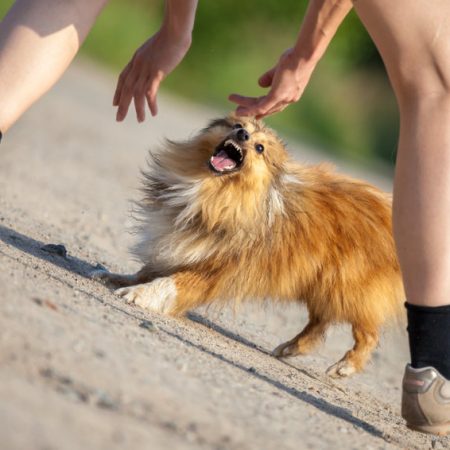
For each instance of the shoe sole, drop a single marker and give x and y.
(442, 429)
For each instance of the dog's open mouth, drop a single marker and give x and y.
(227, 157)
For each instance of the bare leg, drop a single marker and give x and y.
(38, 40)
(354, 360)
(414, 41)
(304, 342)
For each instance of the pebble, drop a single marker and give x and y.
(105, 401)
(55, 249)
(100, 267)
(147, 325)
(44, 302)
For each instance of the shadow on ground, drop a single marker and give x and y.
(56, 256)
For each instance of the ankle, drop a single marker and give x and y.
(429, 337)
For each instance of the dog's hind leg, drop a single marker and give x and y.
(366, 339)
(303, 343)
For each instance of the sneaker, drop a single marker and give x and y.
(426, 401)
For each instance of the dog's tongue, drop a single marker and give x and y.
(222, 161)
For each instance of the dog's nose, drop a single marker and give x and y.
(242, 135)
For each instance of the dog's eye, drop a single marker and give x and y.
(237, 125)
(259, 148)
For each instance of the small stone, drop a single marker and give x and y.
(44, 302)
(170, 425)
(99, 353)
(37, 300)
(47, 372)
(55, 249)
(147, 325)
(72, 394)
(49, 304)
(100, 267)
(105, 401)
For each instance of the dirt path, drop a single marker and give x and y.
(79, 369)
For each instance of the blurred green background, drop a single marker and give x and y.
(348, 107)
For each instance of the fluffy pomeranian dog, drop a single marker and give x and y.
(228, 216)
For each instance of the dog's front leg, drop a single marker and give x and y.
(117, 280)
(173, 295)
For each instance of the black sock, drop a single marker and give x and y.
(429, 337)
(1, 135)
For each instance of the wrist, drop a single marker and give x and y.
(298, 60)
(307, 55)
(178, 36)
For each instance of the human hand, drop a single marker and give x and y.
(141, 77)
(287, 80)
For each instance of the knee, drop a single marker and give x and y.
(421, 82)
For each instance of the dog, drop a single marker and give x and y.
(228, 216)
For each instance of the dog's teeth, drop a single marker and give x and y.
(236, 146)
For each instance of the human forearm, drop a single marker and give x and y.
(322, 19)
(155, 59)
(179, 17)
(290, 76)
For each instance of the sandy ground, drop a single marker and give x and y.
(79, 369)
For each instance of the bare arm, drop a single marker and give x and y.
(290, 76)
(155, 59)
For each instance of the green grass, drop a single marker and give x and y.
(119, 30)
(347, 108)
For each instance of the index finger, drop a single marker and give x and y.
(120, 83)
(259, 107)
(241, 100)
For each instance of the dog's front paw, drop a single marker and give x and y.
(159, 295)
(341, 369)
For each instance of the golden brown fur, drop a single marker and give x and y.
(271, 229)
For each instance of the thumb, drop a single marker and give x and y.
(265, 80)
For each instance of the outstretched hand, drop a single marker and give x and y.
(287, 81)
(141, 77)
